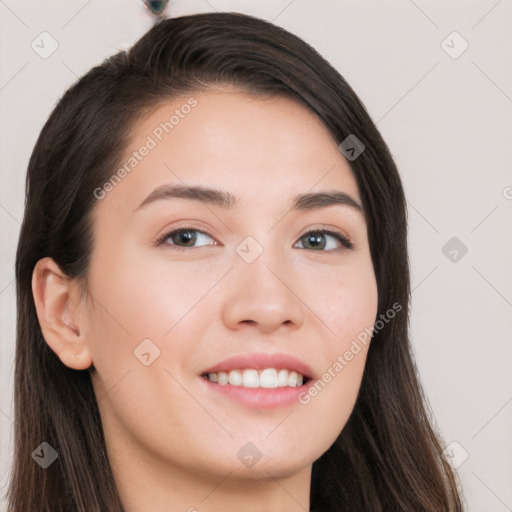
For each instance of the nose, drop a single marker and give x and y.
(262, 293)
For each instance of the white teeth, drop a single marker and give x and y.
(282, 378)
(222, 378)
(292, 379)
(267, 378)
(235, 378)
(251, 379)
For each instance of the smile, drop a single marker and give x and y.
(250, 378)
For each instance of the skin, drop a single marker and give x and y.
(169, 439)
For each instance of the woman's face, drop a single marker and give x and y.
(243, 279)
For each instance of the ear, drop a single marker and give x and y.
(58, 305)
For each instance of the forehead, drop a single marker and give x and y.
(260, 149)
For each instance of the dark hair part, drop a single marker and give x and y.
(389, 454)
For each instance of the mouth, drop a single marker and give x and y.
(268, 378)
(260, 380)
(269, 388)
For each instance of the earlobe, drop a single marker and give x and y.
(57, 302)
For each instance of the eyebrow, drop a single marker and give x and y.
(226, 200)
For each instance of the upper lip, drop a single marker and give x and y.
(261, 361)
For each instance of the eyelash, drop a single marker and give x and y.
(345, 242)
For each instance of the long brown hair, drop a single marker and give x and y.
(389, 455)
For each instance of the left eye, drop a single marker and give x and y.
(316, 239)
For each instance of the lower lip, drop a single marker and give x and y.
(260, 398)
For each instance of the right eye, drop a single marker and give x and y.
(184, 235)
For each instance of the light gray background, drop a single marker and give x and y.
(448, 122)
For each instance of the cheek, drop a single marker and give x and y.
(349, 302)
(348, 308)
(135, 300)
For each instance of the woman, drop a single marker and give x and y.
(213, 290)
